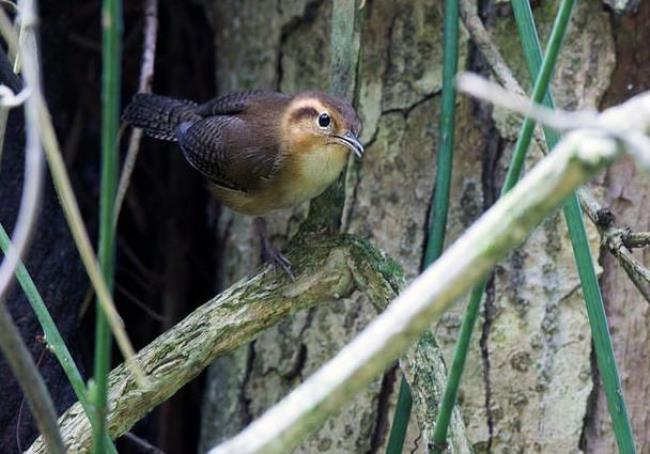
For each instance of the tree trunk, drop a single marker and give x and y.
(530, 384)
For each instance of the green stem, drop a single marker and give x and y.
(605, 357)
(440, 208)
(445, 156)
(400, 419)
(540, 92)
(55, 342)
(112, 28)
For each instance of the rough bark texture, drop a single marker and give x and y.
(528, 385)
(530, 376)
(627, 195)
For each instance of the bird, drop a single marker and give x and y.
(260, 150)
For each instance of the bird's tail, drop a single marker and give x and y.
(159, 116)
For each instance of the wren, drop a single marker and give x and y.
(261, 150)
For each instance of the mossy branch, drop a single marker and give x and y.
(330, 267)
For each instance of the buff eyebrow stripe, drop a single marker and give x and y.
(303, 112)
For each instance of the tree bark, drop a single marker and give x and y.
(530, 378)
(626, 193)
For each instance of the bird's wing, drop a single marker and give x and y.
(233, 103)
(227, 150)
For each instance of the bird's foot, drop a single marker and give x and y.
(274, 255)
(270, 253)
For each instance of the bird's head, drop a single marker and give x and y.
(314, 121)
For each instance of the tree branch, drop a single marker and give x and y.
(481, 39)
(618, 242)
(331, 267)
(426, 373)
(144, 86)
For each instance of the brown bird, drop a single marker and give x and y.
(262, 150)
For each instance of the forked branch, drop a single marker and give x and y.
(330, 267)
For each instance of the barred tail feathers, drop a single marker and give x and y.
(159, 116)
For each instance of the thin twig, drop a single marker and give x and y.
(146, 79)
(618, 242)
(19, 417)
(30, 380)
(5, 24)
(139, 304)
(637, 239)
(33, 153)
(557, 119)
(143, 444)
(481, 38)
(8, 32)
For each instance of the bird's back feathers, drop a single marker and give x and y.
(226, 138)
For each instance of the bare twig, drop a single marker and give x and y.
(12, 44)
(481, 38)
(8, 32)
(26, 373)
(143, 444)
(618, 242)
(33, 153)
(637, 143)
(146, 78)
(12, 345)
(485, 45)
(139, 304)
(637, 239)
(493, 93)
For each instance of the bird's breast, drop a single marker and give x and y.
(302, 177)
(312, 172)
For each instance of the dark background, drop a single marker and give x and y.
(165, 259)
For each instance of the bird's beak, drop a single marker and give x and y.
(351, 141)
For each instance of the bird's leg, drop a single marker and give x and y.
(271, 253)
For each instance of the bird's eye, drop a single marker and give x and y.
(324, 120)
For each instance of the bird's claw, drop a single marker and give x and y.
(271, 253)
(276, 257)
